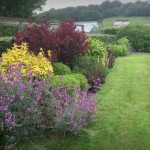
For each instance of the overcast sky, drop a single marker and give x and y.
(67, 3)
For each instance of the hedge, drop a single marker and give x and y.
(4, 44)
(6, 30)
(106, 38)
(138, 36)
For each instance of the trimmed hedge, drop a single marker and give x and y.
(139, 37)
(6, 30)
(106, 38)
(112, 31)
(4, 44)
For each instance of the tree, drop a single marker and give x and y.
(20, 8)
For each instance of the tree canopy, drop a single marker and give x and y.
(20, 8)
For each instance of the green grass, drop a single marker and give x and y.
(123, 113)
(108, 22)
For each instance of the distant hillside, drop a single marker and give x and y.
(108, 22)
(98, 12)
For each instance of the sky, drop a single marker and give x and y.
(73, 3)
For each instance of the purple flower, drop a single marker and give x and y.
(29, 110)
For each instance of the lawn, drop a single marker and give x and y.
(123, 113)
(108, 22)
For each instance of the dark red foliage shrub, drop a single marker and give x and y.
(37, 36)
(70, 42)
(95, 83)
(65, 42)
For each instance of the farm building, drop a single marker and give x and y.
(87, 25)
(120, 23)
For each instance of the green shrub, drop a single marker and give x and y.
(69, 81)
(89, 66)
(138, 36)
(82, 80)
(66, 80)
(106, 38)
(121, 48)
(61, 69)
(96, 48)
(6, 30)
(112, 31)
(4, 44)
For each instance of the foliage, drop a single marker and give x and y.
(4, 44)
(139, 37)
(30, 107)
(38, 36)
(89, 66)
(112, 31)
(66, 80)
(61, 69)
(69, 81)
(6, 30)
(95, 83)
(121, 48)
(21, 113)
(70, 42)
(96, 48)
(106, 38)
(82, 80)
(94, 62)
(65, 42)
(22, 9)
(73, 112)
(31, 62)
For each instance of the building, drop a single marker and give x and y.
(87, 25)
(120, 23)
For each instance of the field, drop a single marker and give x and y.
(123, 113)
(108, 22)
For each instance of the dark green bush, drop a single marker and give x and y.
(6, 30)
(138, 36)
(61, 69)
(112, 31)
(4, 44)
(106, 38)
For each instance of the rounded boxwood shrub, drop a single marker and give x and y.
(61, 69)
(70, 81)
(82, 79)
(59, 81)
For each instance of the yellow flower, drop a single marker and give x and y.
(20, 53)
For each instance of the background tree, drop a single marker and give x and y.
(20, 8)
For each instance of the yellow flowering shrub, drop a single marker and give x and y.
(31, 62)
